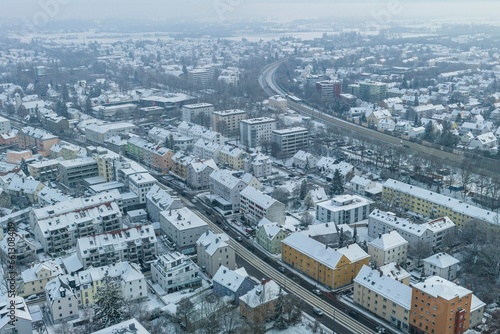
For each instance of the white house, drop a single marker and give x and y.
(304, 160)
(62, 299)
(183, 227)
(225, 189)
(485, 142)
(387, 248)
(442, 265)
(214, 251)
(343, 209)
(256, 205)
(175, 271)
(22, 323)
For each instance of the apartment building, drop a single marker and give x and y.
(258, 164)
(174, 272)
(73, 172)
(198, 113)
(225, 189)
(227, 122)
(328, 89)
(278, 102)
(5, 125)
(158, 200)
(334, 268)
(383, 296)
(213, 251)
(431, 233)
(198, 173)
(24, 246)
(180, 163)
(287, 142)
(442, 307)
(183, 227)
(200, 132)
(99, 133)
(45, 170)
(232, 156)
(255, 131)
(34, 279)
(256, 205)
(343, 209)
(105, 162)
(24, 320)
(372, 91)
(204, 149)
(431, 204)
(153, 155)
(60, 230)
(62, 299)
(127, 275)
(140, 184)
(134, 244)
(387, 248)
(269, 235)
(37, 140)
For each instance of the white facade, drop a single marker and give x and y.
(228, 187)
(62, 299)
(289, 141)
(175, 271)
(430, 233)
(193, 112)
(259, 165)
(256, 205)
(140, 184)
(183, 227)
(5, 125)
(256, 130)
(214, 251)
(387, 248)
(23, 319)
(442, 265)
(343, 209)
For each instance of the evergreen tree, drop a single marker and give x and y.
(355, 234)
(88, 106)
(61, 109)
(337, 186)
(458, 120)
(24, 167)
(109, 304)
(303, 189)
(280, 322)
(65, 93)
(429, 134)
(415, 122)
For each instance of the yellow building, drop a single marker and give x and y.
(227, 122)
(34, 279)
(407, 197)
(105, 161)
(232, 156)
(383, 296)
(332, 267)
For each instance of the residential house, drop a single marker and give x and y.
(174, 272)
(484, 142)
(158, 200)
(62, 299)
(442, 265)
(214, 251)
(25, 187)
(183, 227)
(34, 279)
(232, 283)
(198, 173)
(258, 164)
(343, 209)
(232, 157)
(225, 189)
(304, 160)
(387, 248)
(256, 205)
(260, 301)
(37, 140)
(269, 235)
(23, 320)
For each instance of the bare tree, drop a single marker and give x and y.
(419, 251)
(65, 328)
(280, 194)
(307, 218)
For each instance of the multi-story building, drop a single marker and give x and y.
(278, 102)
(63, 299)
(99, 133)
(269, 235)
(73, 172)
(214, 251)
(304, 160)
(442, 307)
(442, 265)
(372, 91)
(383, 296)
(343, 209)
(200, 76)
(127, 275)
(183, 227)
(431, 233)
(200, 132)
(24, 321)
(45, 170)
(140, 184)
(115, 111)
(134, 244)
(180, 163)
(105, 162)
(198, 113)
(255, 131)
(334, 268)
(387, 248)
(287, 142)
(395, 271)
(34, 279)
(328, 89)
(259, 165)
(232, 156)
(158, 200)
(227, 122)
(175, 271)
(5, 125)
(431, 204)
(260, 302)
(24, 247)
(37, 140)
(204, 149)
(198, 173)
(225, 189)
(256, 205)
(152, 155)
(26, 187)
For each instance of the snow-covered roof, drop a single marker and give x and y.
(231, 279)
(263, 293)
(440, 287)
(388, 241)
(258, 197)
(441, 260)
(212, 242)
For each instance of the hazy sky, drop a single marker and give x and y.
(229, 10)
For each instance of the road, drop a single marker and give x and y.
(268, 83)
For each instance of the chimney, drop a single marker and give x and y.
(326, 224)
(380, 235)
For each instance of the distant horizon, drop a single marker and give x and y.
(225, 11)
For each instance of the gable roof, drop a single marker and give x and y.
(230, 279)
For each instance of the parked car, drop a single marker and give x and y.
(239, 239)
(282, 269)
(318, 292)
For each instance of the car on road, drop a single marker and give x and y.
(239, 239)
(353, 313)
(266, 259)
(225, 228)
(317, 311)
(282, 269)
(251, 248)
(318, 292)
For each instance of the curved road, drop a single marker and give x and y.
(268, 83)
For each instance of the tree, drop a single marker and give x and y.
(65, 328)
(109, 305)
(280, 322)
(307, 218)
(429, 133)
(337, 185)
(64, 93)
(88, 106)
(24, 167)
(493, 323)
(308, 201)
(10, 109)
(280, 194)
(61, 109)
(185, 309)
(419, 251)
(22, 111)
